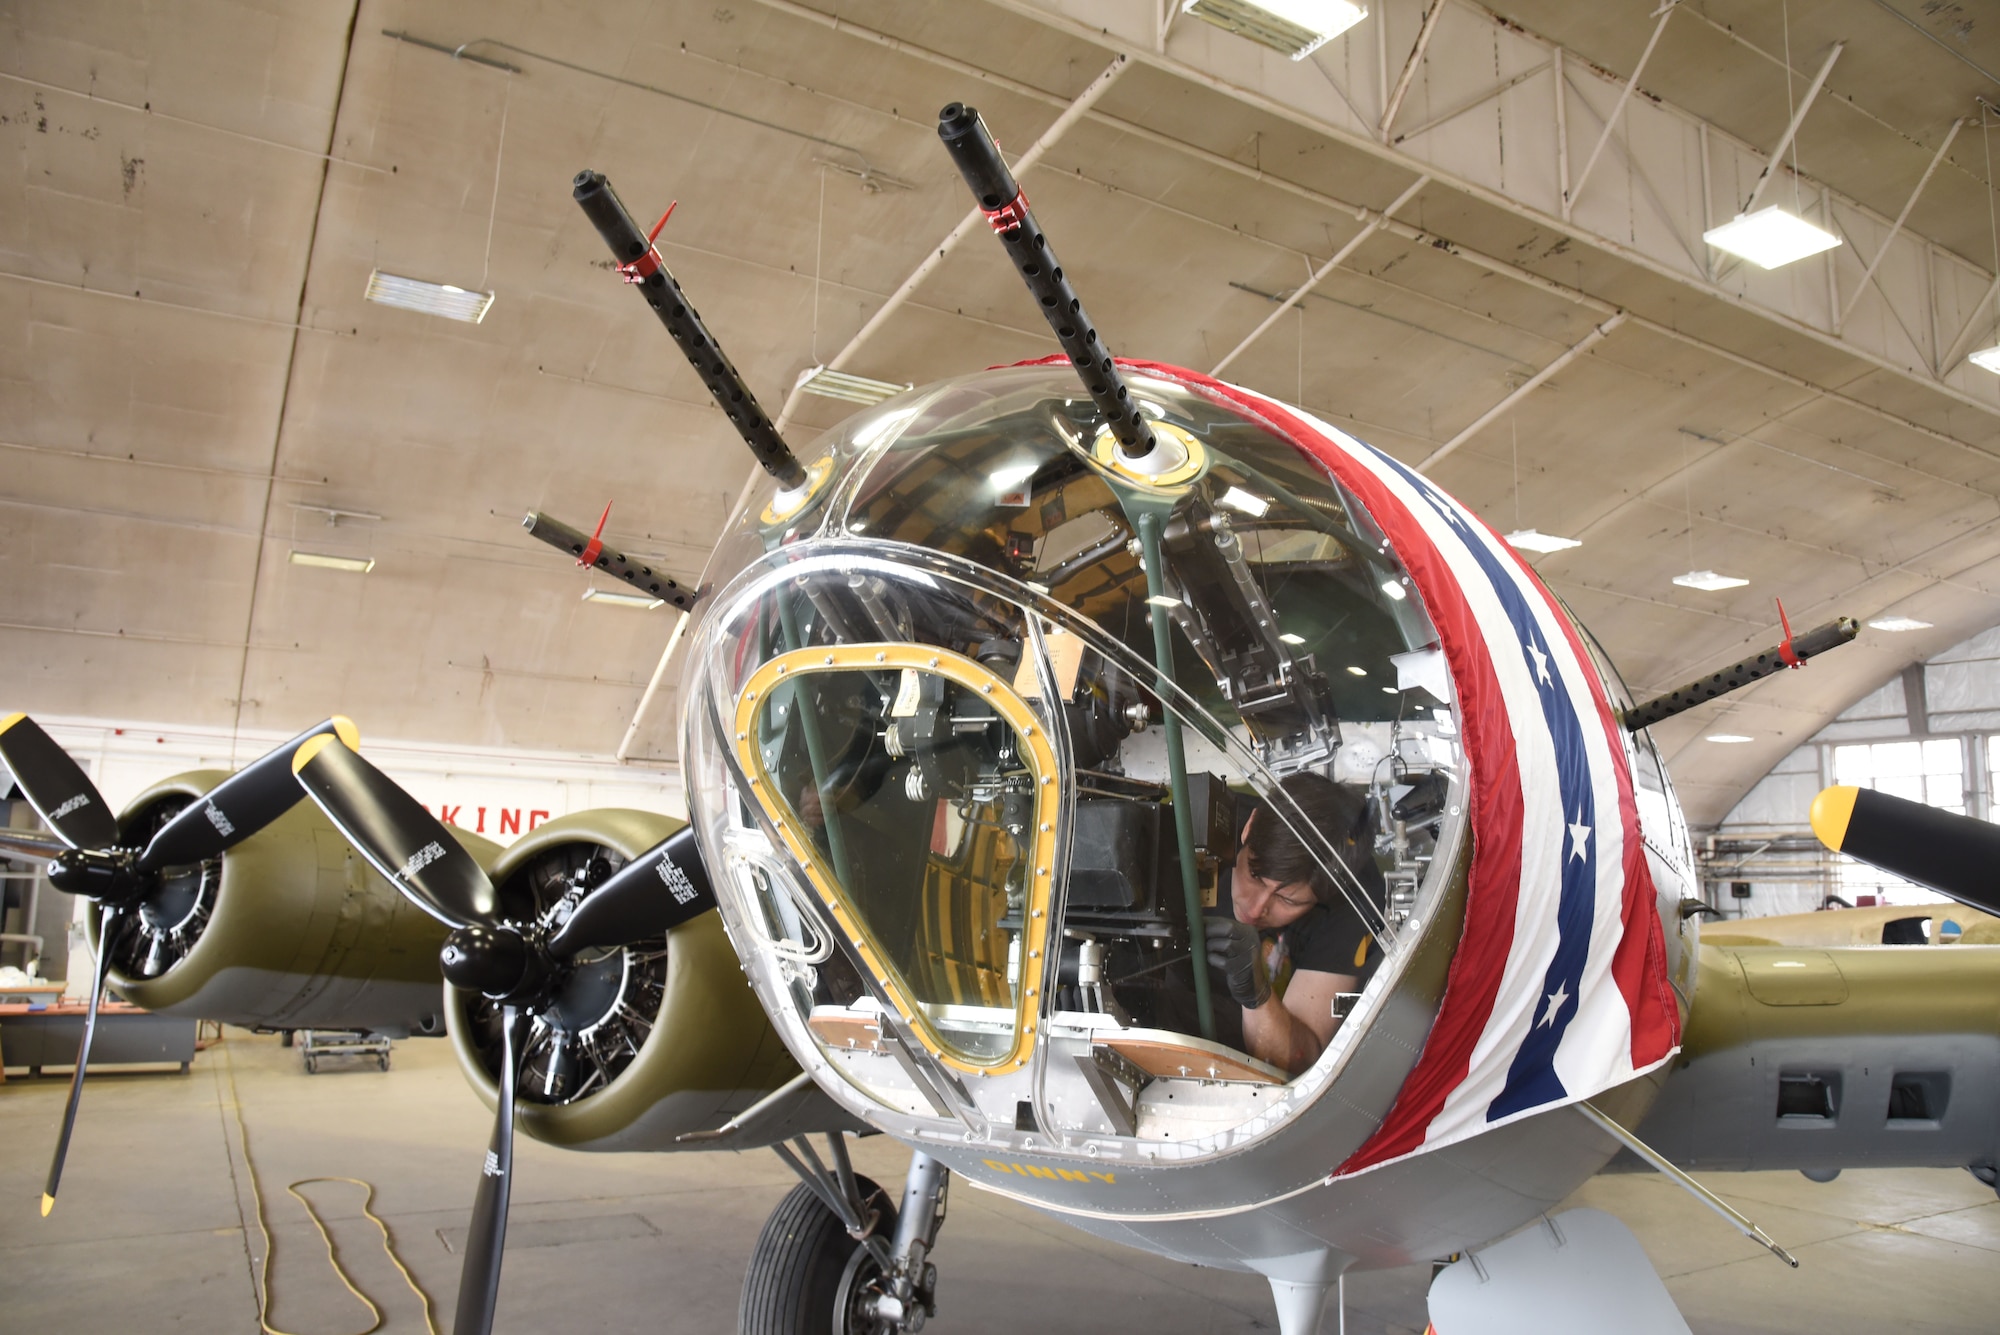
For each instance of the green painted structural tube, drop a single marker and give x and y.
(1163, 662)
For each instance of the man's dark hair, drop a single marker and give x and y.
(1277, 854)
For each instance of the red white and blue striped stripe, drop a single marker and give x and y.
(1558, 989)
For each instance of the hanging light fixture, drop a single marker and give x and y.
(1296, 27)
(1770, 238)
(1774, 236)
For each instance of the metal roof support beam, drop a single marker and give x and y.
(1076, 110)
(1395, 103)
(1472, 103)
(1298, 293)
(1868, 275)
(1611, 121)
(1792, 130)
(653, 687)
(1129, 26)
(1528, 386)
(1969, 332)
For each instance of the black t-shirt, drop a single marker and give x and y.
(1329, 938)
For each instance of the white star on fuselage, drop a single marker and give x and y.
(1444, 508)
(1579, 835)
(1541, 662)
(1556, 1000)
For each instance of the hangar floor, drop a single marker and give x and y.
(150, 1234)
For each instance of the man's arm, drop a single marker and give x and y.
(1291, 1031)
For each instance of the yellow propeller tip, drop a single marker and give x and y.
(343, 728)
(313, 746)
(1831, 812)
(10, 721)
(48, 1204)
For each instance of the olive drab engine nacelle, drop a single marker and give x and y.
(644, 1043)
(289, 929)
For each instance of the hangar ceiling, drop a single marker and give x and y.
(192, 386)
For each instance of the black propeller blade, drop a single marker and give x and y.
(55, 785)
(110, 932)
(1951, 854)
(92, 863)
(660, 889)
(518, 964)
(239, 806)
(486, 1242)
(392, 830)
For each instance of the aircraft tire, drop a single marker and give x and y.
(799, 1263)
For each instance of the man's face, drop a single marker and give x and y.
(1263, 904)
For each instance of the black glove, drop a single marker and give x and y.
(1236, 949)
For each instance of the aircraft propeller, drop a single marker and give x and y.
(91, 861)
(515, 959)
(1954, 855)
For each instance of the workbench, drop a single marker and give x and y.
(126, 1035)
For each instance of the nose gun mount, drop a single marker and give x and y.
(640, 262)
(1000, 197)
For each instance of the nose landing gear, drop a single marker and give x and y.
(837, 1255)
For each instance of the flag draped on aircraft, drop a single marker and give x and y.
(1558, 989)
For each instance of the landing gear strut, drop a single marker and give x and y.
(837, 1256)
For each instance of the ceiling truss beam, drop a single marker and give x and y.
(1602, 220)
(1777, 155)
(1868, 275)
(1298, 293)
(1611, 122)
(1526, 387)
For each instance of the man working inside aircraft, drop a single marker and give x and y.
(1283, 941)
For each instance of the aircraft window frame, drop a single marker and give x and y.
(1037, 752)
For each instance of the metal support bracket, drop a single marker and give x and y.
(1685, 1183)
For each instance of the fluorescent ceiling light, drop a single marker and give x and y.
(1771, 237)
(1357, 671)
(1012, 476)
(1163, 600)
(414, 294)
(1245, 502)
(1708, 581)
(1899, 624)
(1528, 540)
(359, 565)
(1388, 690)
(1290, 638)
(1730, 738)
(1296, 27)
(1394, 590)
(1987, 359)
(617, 599)
(830, 384)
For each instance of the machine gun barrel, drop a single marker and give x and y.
(611, 561)
(999, 194)
(641, 263)
(1738, 675)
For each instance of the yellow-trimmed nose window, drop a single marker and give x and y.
(918, 792)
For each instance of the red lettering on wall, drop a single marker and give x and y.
(536, 818)
(481, 829)
(510, 820)
(449, 815)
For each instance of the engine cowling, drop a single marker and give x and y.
(290, 929)
(644, 1043)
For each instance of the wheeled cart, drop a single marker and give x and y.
(314, 1044)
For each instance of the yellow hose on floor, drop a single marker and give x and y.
(332, 1252)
